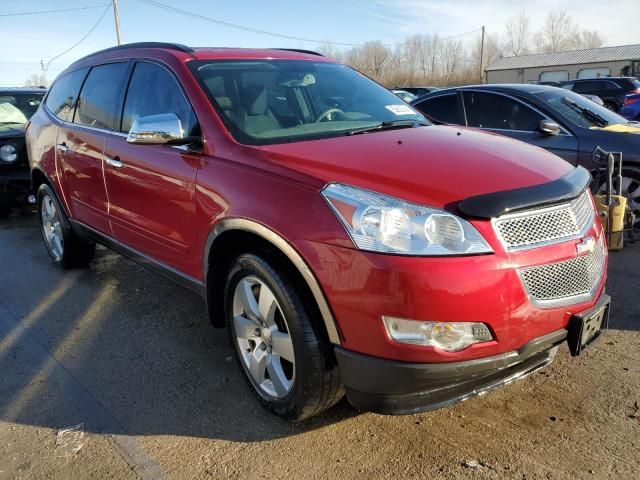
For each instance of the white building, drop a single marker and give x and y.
(545, 67)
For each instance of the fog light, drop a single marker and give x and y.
(447, 336)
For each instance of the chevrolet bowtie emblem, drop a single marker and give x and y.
(587, 245)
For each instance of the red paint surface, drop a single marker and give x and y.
(165, 201)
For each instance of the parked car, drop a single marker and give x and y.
(353, 248)
(631, 107)
(594, 98)
(611, 90)
(558, 120)
(406, 96)
(419, 91)
(16, 106)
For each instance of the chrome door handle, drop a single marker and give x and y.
(114, 162)
(62, 147)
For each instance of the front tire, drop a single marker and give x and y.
(65, 247)
(283, 359)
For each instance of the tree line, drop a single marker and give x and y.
(429, 59)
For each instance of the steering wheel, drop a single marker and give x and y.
(325, 115)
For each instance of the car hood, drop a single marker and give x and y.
(435, 165)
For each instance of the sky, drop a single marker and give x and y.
(44, 36)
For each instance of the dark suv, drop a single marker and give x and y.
(611, 90)
(16, 107)
(347, 243)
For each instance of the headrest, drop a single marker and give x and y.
(224, 103)
(254, 99)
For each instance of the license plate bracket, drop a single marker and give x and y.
(586, 327)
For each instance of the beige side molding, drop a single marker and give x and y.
(291, 253)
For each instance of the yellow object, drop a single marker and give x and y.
(618, 128)
(612, 217)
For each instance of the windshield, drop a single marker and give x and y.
(580, 110)
(17, 108)
(278, 101)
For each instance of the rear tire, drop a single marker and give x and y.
(65, 247)
(259, 298)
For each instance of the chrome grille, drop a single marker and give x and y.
(566, 282)
(544, 226)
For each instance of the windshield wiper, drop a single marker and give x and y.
(389, 125)
(586, 113)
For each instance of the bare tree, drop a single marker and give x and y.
(328, 50)
(374, 55)
(558, 33)
(450, 59)
(37, 80)
(589, 39)
(517, 33)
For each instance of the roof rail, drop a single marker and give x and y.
(126, 46)
(300, 50)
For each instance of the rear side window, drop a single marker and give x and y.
(99, 96)
(152, 91)
(498, 112)
(63, 94)
(443, 108)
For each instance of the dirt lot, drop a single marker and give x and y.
(132, 357)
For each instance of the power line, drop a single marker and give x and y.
(240, 27)
(46, 66)
(18, 14)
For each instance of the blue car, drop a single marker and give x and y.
(631, 107)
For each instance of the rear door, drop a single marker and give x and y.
(515, 118)
(151, 188)
(81, 144)
(443, 108)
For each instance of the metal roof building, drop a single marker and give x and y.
(593, 62)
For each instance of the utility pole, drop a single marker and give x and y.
(116, 15)
(482, 57)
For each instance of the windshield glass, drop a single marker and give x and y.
(277, 101)
(581, 110)
(17, 108)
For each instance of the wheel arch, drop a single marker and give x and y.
(233, 236)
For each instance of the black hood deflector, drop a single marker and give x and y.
(491, 205)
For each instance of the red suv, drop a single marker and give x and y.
(349, 245)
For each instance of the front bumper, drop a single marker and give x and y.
(15, 185)
(392, 387)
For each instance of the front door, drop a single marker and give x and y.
(151, 188)
(512, 117)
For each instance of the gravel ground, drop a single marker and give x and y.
(131, 358)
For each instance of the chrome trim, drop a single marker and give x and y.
(570, 300)
(290, 252)
(113, 162)
(539, 211)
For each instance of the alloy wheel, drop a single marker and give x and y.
(263, 338)
(51, 227)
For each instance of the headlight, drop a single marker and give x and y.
(446, 336)
(379, 223)
(8, 153)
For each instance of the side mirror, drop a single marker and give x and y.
(548, 127)
(156, 129)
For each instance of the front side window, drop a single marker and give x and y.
(152, 91)
(99, 96)
(580, 110)
(278, 101)
(62, 95)
(499, 112)
(17, 108)
(443, 108)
